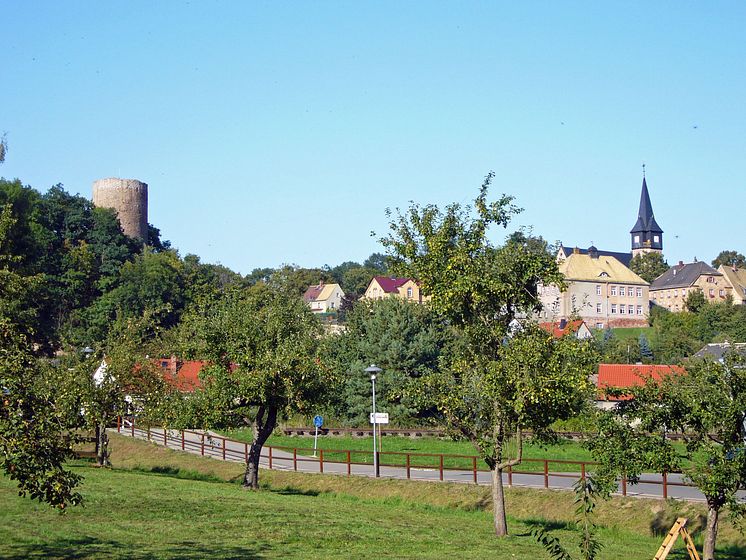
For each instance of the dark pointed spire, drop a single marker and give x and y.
(645, 218)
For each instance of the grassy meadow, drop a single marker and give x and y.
(158, 503)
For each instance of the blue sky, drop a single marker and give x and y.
(278, 132)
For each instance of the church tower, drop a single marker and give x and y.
(647, 235)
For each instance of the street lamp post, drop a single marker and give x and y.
(374, 370)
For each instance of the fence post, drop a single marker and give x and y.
(270, 457)
(624, 484)
(182, 440)
(349, 464)
(148, 433)
(474, 468)
(441, 467)
(409, 463)
(378, 463)
(223, 449)
(665, 485)
(321, 460)
(202, 448)
(245, 452)
(132, 425)
(295, 459)
(119, 424)
(546, 473)
(582, 471)
(165, 439)
(510, 475)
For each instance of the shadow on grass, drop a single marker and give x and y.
(177, 472)
(545, 525)
(89, 547)
(731, 552)
(288, 491)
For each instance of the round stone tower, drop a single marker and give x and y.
(129, 197)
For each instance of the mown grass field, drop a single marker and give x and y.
(158, 503)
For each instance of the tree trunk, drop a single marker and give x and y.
(263, 428)
(498, 503)
(102, 445)
(713, 512)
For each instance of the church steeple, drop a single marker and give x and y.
(647, 235)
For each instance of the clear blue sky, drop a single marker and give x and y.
(278, 132)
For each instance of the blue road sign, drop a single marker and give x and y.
(318, 421)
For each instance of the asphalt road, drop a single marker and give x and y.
(213, 445)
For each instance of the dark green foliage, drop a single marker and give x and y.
(729, 258)
(648, 266)
(405, 339)
(695, 300)
(645, 352)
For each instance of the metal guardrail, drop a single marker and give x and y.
(290, 458)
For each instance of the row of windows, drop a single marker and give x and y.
(667, 294)
(628, 291)
(623, 309)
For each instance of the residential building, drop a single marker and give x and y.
(671, 288)
(182, 375)
(736, 279)
(717, 351)
(647, 235)
(324, 298)
(565, 252)
(558, 329)
(600, 290)
(384, 286)
(625, 376)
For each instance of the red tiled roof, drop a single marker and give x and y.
(312, 293)
(555, 330)
(631, 375)
(389, 284)
(186, 376)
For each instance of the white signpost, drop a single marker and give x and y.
(379, 418)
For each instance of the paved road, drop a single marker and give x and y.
(214, 445)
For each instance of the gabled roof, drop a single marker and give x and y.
(561, 328)
(624, 258)
(645, 219)
(736, 277)
(624, 376)
(718, 350)
(683, 275)
(603, 268)
(390, 284)
(321, 292)
(186, 377)
(312, 293)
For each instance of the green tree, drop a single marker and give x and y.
(405, 339)
(648, 266)
(729, 258)
(706, 404)
(263, 345)
(695, 300)
(644, 346)
(495, 387)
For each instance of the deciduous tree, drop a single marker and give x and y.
(648, 266)
(496, 386)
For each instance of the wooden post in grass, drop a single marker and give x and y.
(295, 459)
(409, 462)
(474, 468)
(321, 460)
(182, 440)
(202, 447)
(441, 467)
(349, 464)
(546, 473)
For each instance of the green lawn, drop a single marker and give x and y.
(152, 507)
(395, 447)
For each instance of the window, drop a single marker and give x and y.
(621, 290)
(637, 238)
(656, 239)
(639, 292)
(598, 290)
(613, 308)
(711, 279)
(332, 305)
(409, 293)
(683, 292)
(722, 293)
(675, 293)
(164, 364)
(631, 309)
(599, 326)
(712, 292)
(598, 308)
(613, 290)
(639, 309)
(621, 309)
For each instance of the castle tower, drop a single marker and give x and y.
(129, 198)
(647, 235)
